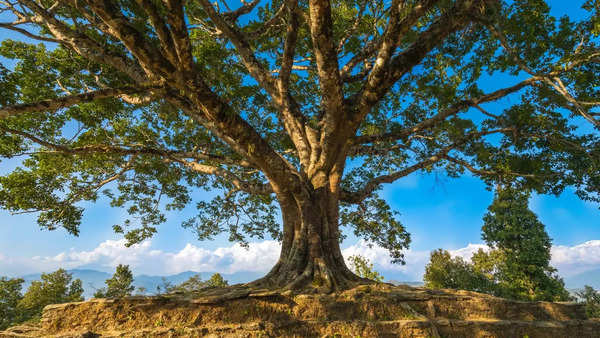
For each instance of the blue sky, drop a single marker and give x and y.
(438, 211)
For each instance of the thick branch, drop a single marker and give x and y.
(70, 100)
(28, 34)
(391, 38)
(252, 64)
(245, 9)
(208, 109)
(251, 188)
(161, 29)
(148, 55)
(388, 74)
(371, 186)
(293, 119)
(181, 38)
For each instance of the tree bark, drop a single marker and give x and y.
(311, 257)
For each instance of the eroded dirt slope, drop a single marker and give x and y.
(366, 311)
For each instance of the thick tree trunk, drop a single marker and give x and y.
(311, 257)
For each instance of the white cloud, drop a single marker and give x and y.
(412, 271)
(260, 257)
(468, 251)
(571, 260)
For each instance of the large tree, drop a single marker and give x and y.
(308, 107)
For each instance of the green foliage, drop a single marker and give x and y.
(518, 264)
(216, 281)
(591, 299)
(444, 271)
(10, 296)
(195, 283)
(54, 288)
(364, 268)
(374, 220)
(521, 249)
(119, 285)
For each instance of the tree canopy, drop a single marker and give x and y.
(307, 107)
(53, 288)
(119, 285)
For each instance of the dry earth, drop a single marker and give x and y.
(366, 311)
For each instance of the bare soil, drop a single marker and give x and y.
(379, 310)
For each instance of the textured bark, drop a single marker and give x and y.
(311, 257)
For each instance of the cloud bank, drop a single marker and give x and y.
(260, 257)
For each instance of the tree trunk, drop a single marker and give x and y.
(311, 257)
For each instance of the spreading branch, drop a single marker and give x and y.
(55, 104)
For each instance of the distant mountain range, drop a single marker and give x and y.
(93, 279)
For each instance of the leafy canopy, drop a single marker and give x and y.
(146, 103)
(53, 288)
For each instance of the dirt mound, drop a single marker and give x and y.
(366, 311)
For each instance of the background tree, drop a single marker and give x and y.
(217, 281)
(10, 295)
(306, 106)
(446, 272)
(362, 267)
(195, 283)
(192, 284)
(520, 257)
(591, 299)
(517, 265)
(119, 285)
(141, 290)
(54, 288)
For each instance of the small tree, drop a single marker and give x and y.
(591, 299)
(54, 288)
(217, 281)
(194, 283)
(120, 285)
(444, 271)
(10, 296)
(362, 267)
